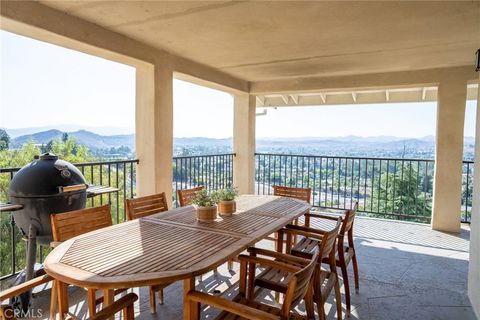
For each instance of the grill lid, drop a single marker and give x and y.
(45, 177)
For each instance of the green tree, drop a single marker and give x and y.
(403, 193)
(4, 140)
(64, 137)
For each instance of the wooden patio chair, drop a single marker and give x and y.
(70, 224)
(345, 252)
(124, 304)
(303, 194)
(186, 196)
(141, 207)
(144, 206)
(324, 281)
(244, 306)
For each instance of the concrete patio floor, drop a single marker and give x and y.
(407, 271)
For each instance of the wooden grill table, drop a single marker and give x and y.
(165, 247)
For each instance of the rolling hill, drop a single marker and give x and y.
(87, 138)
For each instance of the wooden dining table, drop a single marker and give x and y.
(165, 247)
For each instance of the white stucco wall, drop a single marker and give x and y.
(474, 267)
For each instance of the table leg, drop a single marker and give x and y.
(190, 309)
(62, 292)
(108, 298)
(92, 302)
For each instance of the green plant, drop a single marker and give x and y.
(227, 194)
(203, 199)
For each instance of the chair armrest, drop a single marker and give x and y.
(230, 306)
(27, 285)
(305, 231)
(324, 216)
(270, 263)
(115, 307)
(279, 255)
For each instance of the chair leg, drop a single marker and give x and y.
(321, 310)
(295, 222)
(347, 288)
(230, 265)
(275, 237)
(160, 296)
(355, 271)
(129, 313)
(153, 302)
(215, 272)
(309, 303)
(277, 296)
(338, 298)
(317, 294)
(53, 301)
(92, 302)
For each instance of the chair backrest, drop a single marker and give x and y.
(186, 196)
(348, 220)
(73, 223)
(145, 206)
(297, 289)
(291, 192)
(327, 245)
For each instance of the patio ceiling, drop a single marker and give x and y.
(258, 41)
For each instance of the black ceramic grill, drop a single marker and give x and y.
(45, 186)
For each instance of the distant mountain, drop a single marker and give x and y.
(87, 138)
(348, 145)
(203, 141)
(106, 131)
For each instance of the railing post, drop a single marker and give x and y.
(244, 143)
(447, 190)
(154, 130)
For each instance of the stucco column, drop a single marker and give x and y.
(154, 130)
(244, 142)
(447, 187)
(474, 264)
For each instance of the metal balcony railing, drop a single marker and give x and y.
(211, 171)
(384, 187)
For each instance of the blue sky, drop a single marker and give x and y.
(46, 85)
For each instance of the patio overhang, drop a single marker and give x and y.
(372, 96)
(302, 48)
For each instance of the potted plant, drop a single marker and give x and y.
(225, 199)
(205, 205)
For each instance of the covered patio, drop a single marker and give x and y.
(271, 54)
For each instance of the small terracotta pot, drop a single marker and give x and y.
(206, 213)
(227, 208)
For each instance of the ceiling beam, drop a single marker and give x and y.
(294, 98)
(323, 96)
(260, 101)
